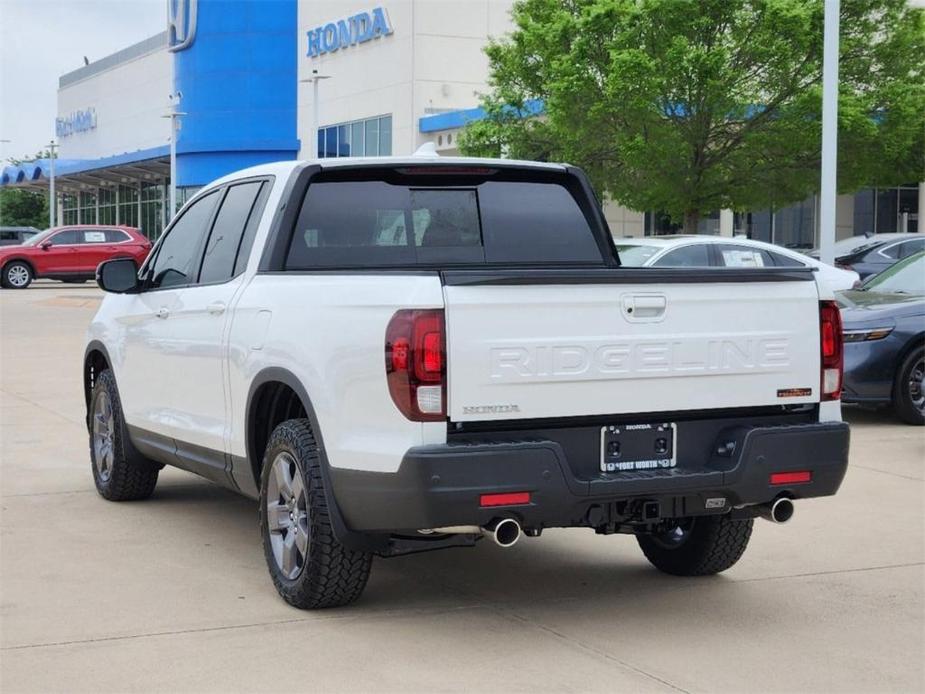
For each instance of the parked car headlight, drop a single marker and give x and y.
(866, 335)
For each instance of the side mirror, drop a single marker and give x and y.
(45, 245)
(119, 276)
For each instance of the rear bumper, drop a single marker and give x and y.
(440, 485)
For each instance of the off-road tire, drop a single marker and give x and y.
(131, 477)
(902, 399)
(25, 270)
(331, 575)
(713, 544)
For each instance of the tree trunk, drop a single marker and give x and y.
(691, 221)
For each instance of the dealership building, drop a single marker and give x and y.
(236, 82)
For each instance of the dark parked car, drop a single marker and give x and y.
(884, 329)
(13, 236)
(880, 254)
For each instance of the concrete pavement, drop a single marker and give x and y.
(171, 594)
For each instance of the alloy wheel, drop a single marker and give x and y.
(287, 515)
(103, 427)
(17, 276)
(916, 385)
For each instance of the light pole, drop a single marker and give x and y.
(52, 198)
(174, 116)
(827, 188)
(314, 79)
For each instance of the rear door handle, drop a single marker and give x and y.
(162, 312)
(216, 308)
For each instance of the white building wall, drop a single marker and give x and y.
(129, 100)
(432, 62)
(623, 222)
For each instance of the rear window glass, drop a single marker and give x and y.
(375, 223)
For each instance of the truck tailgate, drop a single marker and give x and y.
(534, 350)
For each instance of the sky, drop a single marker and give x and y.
(40, 40)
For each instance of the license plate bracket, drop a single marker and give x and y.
(635, 447)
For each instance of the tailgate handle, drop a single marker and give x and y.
(644, 306)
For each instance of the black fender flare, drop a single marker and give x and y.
(350, 539)
(92, 346)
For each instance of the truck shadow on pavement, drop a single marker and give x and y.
(561, 566)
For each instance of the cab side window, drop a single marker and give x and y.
(224, 244)
(178, 255)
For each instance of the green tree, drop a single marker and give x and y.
(690, 106)
(20, 207)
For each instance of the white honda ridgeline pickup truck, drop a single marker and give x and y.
(398, 355)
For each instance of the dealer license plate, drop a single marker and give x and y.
(629, 447)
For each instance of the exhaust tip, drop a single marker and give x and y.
(506, 532)
(782, 510)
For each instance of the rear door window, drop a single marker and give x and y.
(94, 236)
(398, 222)
(694, 255)
(734, 255)
(218, 263)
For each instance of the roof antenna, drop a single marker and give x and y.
(428, 149)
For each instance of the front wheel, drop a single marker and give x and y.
(119, 472)
(697, 546)
(17, 275)
(308, 565)
(909, 390)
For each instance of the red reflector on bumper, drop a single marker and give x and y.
(510, 499)
(791, 477)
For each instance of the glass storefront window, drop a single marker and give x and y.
(886, 210)
(152, 209)
(107, 200)
(864, 205)
(908, 213)
(87, 205)
(371, 137)
(68, 209)
(755, 225)
(356, 138)
(128, 205)
(794, 226)
(385, 136)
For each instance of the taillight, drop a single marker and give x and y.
(832, 352)
(415, 363)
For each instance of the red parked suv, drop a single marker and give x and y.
(69, 254)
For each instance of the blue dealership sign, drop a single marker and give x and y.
(359, 28)
(76, 122)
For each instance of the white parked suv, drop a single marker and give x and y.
(403, 354)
